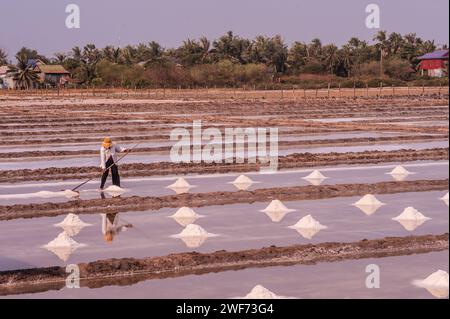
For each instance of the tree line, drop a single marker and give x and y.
(232, 60)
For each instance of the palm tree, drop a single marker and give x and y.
(347, 59)
(382, 46)
(60, 58)
(331, 57)
(3, 57)
(23, 73)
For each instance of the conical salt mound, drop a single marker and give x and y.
(63, 246)
(72, 225)
(185, 216)
(73, 221)
(308, 227)
(399, 170)
(368, 200)
(193, 230)
(399, 173)
(180, 186)
(180, 182)
(113, 189)
(276, 210)
(63, 240)
(193, 235)
(368, 204)
(71, 194)
(243, 182)
(308, 222)
(445, 199)
(315, 178)
(436, 284)
(277, 206)
(260, 292)
(411, 218)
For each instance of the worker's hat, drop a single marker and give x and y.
(107, 142)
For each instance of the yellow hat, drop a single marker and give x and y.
(107, 142)
(108, 237)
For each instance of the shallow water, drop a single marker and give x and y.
(164, 157)
(240, 226)
(345, 279)
(156, 186)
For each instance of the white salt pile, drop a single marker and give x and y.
(63, 246)
(180, 186)
(308, 227)
(63, 240)
(41, 194)
(193, 235)
(71, 194)
(411, 218)
(72, 220)
(399, 173)
(115, 190)
(185, 216)
(315, 178)
(260, 292)
(276, 210)
(72, 224)
(369, 204)
(436, 284)
(243, 182)
(445, 199)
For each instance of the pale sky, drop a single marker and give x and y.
(41, 24)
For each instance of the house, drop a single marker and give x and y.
(435, 64)
(6, 80)
(53, 75)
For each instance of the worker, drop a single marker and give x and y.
(108, 161)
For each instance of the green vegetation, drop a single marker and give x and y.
(235, 61)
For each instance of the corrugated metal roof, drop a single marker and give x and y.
(52, 69)
(440, 54)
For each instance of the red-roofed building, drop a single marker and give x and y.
(435, 64)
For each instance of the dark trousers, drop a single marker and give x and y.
(114, 171)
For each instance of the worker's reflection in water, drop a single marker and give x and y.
(111, 226)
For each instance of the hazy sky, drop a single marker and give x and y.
(40, 24)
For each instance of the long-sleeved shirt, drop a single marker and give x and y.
(106, 153)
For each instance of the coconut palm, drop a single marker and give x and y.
(331, 57)
(60, 58)
(23, 74)
(382, 46)
(3, 57)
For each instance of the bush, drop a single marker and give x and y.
(398, 69)
(97, 82)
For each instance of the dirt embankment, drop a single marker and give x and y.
(128, 271)
(136, 203)
(292, 161)
(281, 144)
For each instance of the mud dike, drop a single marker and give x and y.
(136, 203)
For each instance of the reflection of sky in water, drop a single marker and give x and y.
(156, 186)
(240, 226)
(343, 279)
(151, 158)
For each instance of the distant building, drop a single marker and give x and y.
(53, 75)
(6, 80)
(435, 64)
